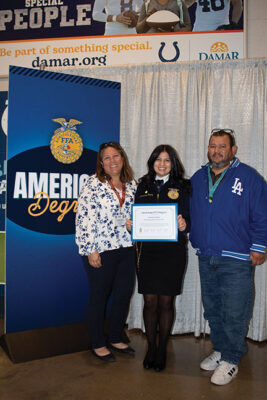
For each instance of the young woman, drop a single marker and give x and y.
(161, 265)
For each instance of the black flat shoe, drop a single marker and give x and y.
(149, 361)
(108, 357)
(127, 350)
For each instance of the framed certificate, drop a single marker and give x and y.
(154, 222)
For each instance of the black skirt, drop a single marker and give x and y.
(160, 267)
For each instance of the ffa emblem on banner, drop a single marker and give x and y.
(66, 145)
(173, 193)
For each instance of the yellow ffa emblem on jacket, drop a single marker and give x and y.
(173, 193)
(66, 145)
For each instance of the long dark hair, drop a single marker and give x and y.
(177, 169)
(126, 175)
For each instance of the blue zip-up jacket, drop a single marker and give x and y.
(235, 222)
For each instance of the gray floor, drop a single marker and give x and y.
(81, 376)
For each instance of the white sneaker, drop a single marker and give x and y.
(224, 373)
(211, 362)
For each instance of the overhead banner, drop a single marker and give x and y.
(56, 123)
(79, 33)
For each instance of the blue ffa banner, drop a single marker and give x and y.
(3, 133)
(56, 123)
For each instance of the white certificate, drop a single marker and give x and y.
(154, 222)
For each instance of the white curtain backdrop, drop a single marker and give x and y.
(180, 104)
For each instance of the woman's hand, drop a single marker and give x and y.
(95, 260)
(129, 224)
(181, 223)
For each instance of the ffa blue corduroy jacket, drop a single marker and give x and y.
(235, 222)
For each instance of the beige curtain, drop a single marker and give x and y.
(179, 104)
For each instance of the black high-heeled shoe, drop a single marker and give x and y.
(160, 362)
(149, 360)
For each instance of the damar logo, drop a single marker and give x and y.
(66, 145)
(219, 51)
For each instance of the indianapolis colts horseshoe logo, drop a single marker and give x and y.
(175, 58)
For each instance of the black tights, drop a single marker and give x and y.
(158, 314)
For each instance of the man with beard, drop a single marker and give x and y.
(229, 231)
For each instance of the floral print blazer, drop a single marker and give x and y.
(100, 221)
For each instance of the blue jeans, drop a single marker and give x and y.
(227, 295)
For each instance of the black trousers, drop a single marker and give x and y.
(116, 279)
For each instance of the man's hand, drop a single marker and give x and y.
(257, 258)
(123, 19)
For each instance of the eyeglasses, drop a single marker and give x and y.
(231, 131)
(221, 132)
